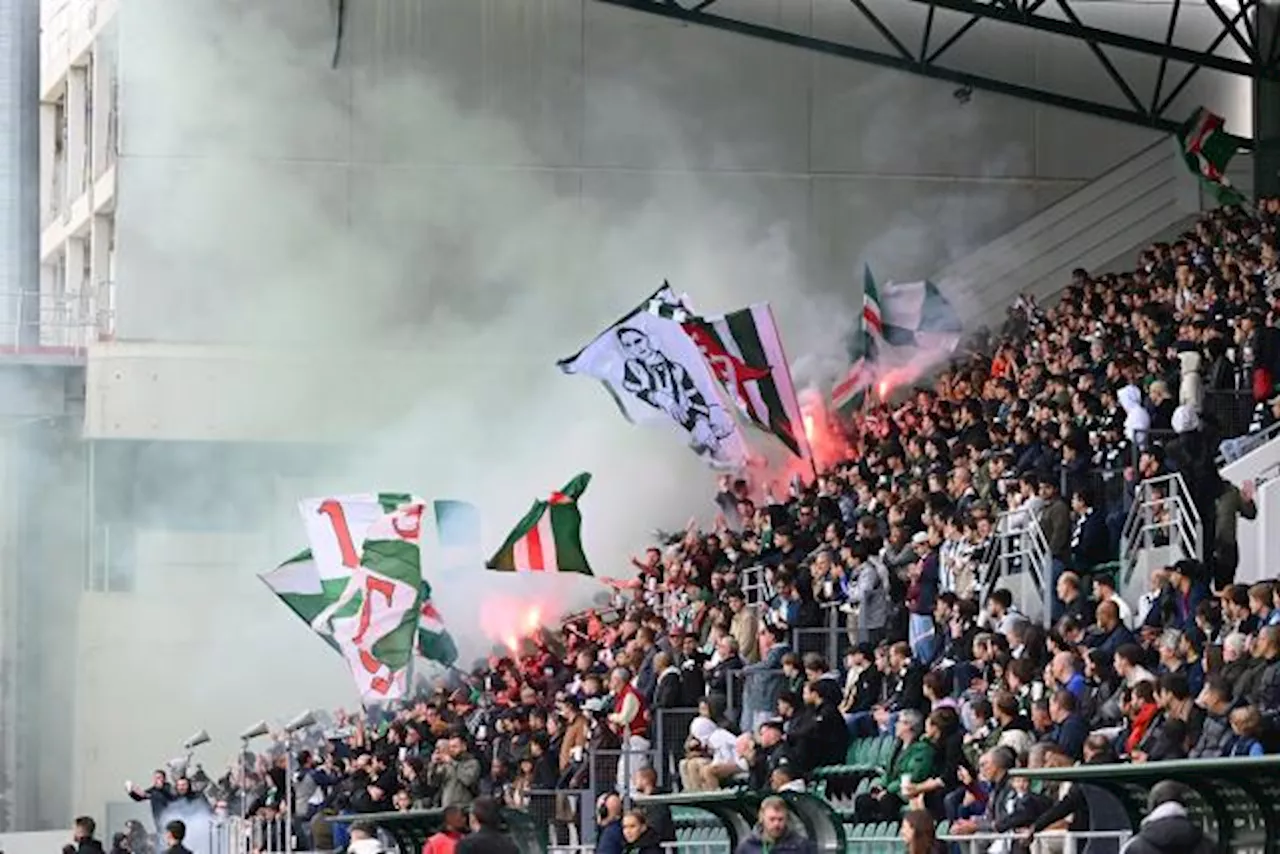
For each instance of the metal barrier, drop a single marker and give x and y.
(1019, 548)
(32, 321)
(564, 815)
(1231, 411)
(670, 729)
(409, 830)
(1232, 449)
(755, 586)
(1162, 514)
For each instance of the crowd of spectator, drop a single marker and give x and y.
(1055, 418)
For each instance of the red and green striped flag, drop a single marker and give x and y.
(548, 538)
(1207, 148)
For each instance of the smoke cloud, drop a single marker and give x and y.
(445, 241)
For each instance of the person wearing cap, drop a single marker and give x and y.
(1167, 828)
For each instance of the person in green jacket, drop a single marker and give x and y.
(912, 762)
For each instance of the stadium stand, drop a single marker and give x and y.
(849, 649)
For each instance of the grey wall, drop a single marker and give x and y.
(590, 102)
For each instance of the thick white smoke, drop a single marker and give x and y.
(442, 240)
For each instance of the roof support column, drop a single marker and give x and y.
(1266, 104)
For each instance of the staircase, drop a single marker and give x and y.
(1019, 561)
(1147, 195)
(1162, 528)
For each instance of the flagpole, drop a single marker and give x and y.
(795, 397)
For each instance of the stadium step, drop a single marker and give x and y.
(1139, 200)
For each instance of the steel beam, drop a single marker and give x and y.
(896, 61)
(899, 51)
(1074, 28)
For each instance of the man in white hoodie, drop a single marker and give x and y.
(1137, 421)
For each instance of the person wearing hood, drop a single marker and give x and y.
(364, 840)
(1167, 829)
(772, 834)
(1137, 422)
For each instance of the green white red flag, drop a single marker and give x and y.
(548, 538)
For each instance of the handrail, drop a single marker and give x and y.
(1242, 446)
(1020, 547)
(1162, 508)
(34, 321)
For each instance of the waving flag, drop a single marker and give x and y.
(360, 587)
(1207, 149)
(850, 392)
(745, 353)
(656, 374)
(548, 538)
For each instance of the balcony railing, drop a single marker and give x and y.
(34, 323)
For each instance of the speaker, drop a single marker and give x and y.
(202, 737)
(302, 721)
(260, 728)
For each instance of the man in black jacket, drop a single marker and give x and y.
(160, 794)
(174, 833)
(657, 815)
(1167, 829)
(818, 735)
(666, 694)
(83, 836)
(488, 834)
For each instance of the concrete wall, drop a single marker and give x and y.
(488, 180)
(600, 103)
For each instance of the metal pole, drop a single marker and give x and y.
(288, 796)
(91, 522)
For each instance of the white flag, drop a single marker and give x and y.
(657, 375)
(374, 542)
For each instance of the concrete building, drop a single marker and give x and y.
(261, 244)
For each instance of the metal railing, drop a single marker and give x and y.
(1232, 449)
(754, 581)
(35, 322)
(1163, 514)
(1019, 548)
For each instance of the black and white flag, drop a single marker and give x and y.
(657, 375)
